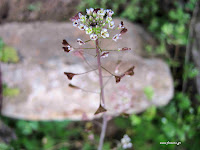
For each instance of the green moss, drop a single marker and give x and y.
(10, 91)
(149, 92)
(9, 54)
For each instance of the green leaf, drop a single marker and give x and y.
(150, 113)
(149, 48)
(87, 146)
(135, 120)
(169, 129)
(183, 101)
(122, 122)
(167, 28)
(4, 146)
(27, 127)
(106, 146)
(34, 6)
(48, 142)
(190, 71)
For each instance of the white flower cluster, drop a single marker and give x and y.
(126, 142)
(96, 23)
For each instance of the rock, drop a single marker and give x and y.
(45, 94)
(6, 133)
(3, 9)
(29, 10)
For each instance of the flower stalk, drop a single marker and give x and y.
(102, 100)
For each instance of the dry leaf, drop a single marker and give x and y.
(124, 30)
(130, 71)
(69, 75)
(118, 79)
(100, 110)
(73, 86)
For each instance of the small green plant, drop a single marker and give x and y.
(190, 71)
(149, 92)
(10, 91)
(8, 53)
(4, 146)
(34, 6)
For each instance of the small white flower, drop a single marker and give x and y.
(89, 11)
(81, 27)
(104, 30)
(70, 48)
(79, 14)
(110, 12)
(125, 146)
(80, 42)
(111, 25)
(108, 19)
(101, 17)
(88, 30)
(97, 18)
(104, 33)
(75, 23)
(101, 12)
(126, 142)
(83, 18)
(93, 36)
(90, 18)
(116, 37)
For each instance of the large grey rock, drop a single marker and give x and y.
(45, 94)
(32, 10)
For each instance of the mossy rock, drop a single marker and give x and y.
(9, 54)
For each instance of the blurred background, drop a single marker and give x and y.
(171, 31)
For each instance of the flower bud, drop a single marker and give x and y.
(116, 37)
(80, 42)
(94, 14)
(101, 18)
(90, 18)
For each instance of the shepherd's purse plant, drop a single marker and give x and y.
(97, 24)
